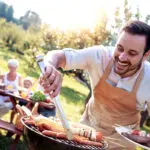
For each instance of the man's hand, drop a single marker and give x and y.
(51, 81)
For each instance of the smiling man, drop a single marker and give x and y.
(120, 79)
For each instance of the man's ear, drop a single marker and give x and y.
(146, 55)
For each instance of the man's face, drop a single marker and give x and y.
(128, 54)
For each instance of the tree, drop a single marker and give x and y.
(30, 19)
(138, 15)
(3, 7)
(6, 11)
(119, 19)
(147, 18)
(127, 11)
(9, 13)
(11, 35)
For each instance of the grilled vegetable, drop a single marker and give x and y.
(38, 96)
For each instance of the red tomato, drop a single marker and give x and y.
(47, 100)
(135, 132)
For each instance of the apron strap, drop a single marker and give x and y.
(138, 81)
(107, 70)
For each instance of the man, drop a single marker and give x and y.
(119, 77)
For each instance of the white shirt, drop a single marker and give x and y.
(95, 60)
(14, 83)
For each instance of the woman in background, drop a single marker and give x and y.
(11, 80)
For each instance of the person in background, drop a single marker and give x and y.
(120, 80)
(27, 83)
(11, 80)
(26, 89)
(43, 110)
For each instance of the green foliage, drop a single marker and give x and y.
(121, 16)
(38, 96)
(9, 13)
(127, 11)
(138, 15)
(3, 8)
(11, 35)
(147, 18)
(6, 11)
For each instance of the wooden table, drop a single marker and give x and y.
(49, 107)
(16, 97)
(9, 126)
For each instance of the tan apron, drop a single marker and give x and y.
(111, 105)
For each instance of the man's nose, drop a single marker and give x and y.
(123, 57)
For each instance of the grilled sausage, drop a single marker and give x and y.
(76, 138)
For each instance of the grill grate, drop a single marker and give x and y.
(80, 146)
(72, 143)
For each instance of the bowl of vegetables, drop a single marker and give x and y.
(38, 97)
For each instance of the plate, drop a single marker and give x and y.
(122, 129)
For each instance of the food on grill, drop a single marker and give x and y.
(52, 127)
(138, 136)
(38, 96)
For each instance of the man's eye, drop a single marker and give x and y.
(132, 54)
(120, 49)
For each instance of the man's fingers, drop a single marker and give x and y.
(51, 81)
(48, 70)
(52, 77)
(55, 84)
(56, 92)
(54, 88)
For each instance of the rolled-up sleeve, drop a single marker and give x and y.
(82, 59)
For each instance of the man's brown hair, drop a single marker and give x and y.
(139, 28)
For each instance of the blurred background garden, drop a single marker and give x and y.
(26, 36)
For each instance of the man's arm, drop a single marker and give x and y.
(68, 59)
(52, 78)
(56, 58)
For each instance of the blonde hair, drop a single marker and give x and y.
(28, 79)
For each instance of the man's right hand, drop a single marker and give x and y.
(51, 80)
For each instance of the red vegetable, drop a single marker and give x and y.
(135, 132)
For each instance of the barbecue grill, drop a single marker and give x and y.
(37, 141)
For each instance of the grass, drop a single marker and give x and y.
(72, 98)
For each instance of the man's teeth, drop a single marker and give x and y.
(122, 64)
